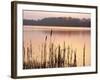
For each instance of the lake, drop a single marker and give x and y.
(75, 38)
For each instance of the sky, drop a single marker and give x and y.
(35, 15)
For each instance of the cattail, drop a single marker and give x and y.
(75, 61)
(64, 51)
(71, 57)
(24, 57)
(28, 54)
(51, 32)
(68, 53)
(50, 49)
(59, 56)
(52, 53)
(45, 52)
(84, 55)
(42, 57)
(56, 58)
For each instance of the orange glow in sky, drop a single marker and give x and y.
(35, 15)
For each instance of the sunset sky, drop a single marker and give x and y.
(35, 15)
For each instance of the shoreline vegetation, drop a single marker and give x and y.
(56, 56)
(55, 28)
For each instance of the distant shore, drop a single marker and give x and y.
(54, 28)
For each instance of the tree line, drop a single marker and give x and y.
(59, 21)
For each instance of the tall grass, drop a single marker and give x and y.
(51, 56)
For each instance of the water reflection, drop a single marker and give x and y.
(46, 47)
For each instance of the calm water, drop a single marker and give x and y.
(75, 37)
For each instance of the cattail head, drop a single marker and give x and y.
(51, 32)
(45, 38)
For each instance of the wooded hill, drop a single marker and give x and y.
(59, 21)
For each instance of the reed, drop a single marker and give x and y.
(84, 55)
(51, 55)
